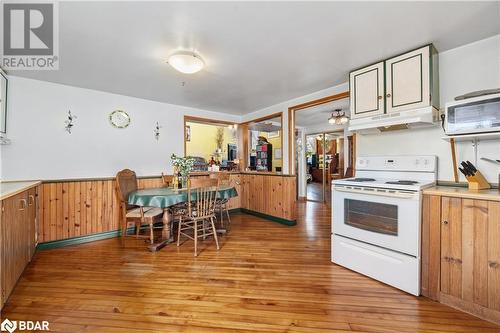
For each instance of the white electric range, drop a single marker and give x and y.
(376, 218)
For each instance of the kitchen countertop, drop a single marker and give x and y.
(463, 192)
(8, 189)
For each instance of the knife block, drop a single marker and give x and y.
(477, 182)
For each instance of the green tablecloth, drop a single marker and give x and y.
(164, 197)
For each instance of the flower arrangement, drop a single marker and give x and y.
(184, 165)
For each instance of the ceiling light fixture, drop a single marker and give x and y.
(339, 118)
(186, 62)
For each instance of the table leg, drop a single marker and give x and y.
(166, 233)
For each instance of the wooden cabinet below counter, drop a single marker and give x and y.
(272, 195)
(461, 254)
(18, 237)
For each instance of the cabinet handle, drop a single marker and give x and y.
(379, 97)
(388, 95)
(23, 204)
(445, 222)
(31, 200)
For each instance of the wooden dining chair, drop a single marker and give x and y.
(202, 194)
(127, 182)
(221, 204)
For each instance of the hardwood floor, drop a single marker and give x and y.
(314, 191)
(266, 278)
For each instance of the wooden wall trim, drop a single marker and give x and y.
(70, 209)
(291, 123)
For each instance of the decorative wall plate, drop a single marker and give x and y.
(119, 119)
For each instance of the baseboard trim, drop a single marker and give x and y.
(269, 217)
(116, 233)
(79, 240)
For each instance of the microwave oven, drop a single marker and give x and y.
(473, 115)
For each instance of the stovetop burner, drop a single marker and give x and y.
(403, 182)
(361, 180)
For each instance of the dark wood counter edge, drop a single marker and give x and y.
(146, 177)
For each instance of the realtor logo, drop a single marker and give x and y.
(8, 325)
(30, 36)
(24, 325)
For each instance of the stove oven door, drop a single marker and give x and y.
(384, 217)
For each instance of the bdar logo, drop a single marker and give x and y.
(8, 325)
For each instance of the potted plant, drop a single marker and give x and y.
(183, 166)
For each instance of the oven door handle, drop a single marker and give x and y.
(402, 195)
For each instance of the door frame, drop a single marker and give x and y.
(291, 124)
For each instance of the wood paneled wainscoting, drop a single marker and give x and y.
(85, 210)
(75, 208)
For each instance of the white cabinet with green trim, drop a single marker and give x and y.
(367, 91)
(405, 82)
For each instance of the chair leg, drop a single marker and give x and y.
(179, 231)
(221, 217)
(195, 238)
(228, 217)
(215, 233)
(137, 229)
(151, 234)
(204, 231)
(124, 228)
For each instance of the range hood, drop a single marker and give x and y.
(422, 117)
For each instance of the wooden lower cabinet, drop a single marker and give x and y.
(461, 254)
(17, 238)
(271, 195)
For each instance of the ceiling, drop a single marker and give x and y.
(257, 53)
(318, 115)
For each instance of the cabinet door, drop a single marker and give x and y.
(451, 246)
(15, 250)
(470, 251)
(408, 81)
(366, 91)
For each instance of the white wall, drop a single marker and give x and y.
(42, 149)
(283, 108)
(464, 69)
(467, 68)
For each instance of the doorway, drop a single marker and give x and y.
(324, 154)
(321, 148)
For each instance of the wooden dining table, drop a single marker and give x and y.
(165, 198)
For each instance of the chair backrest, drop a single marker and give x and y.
(204, 192)
(195, 182)
(167, 179)
(223, 177)
(127, 182)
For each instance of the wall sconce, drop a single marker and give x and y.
(156, 131)
(69, 122)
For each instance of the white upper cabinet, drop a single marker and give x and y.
(367, 91)
(405, 82)
(408, 81)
